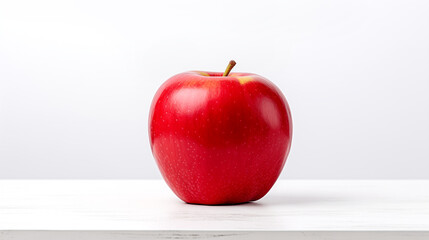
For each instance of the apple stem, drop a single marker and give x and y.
(229, 68)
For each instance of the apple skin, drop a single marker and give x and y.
(219, 140)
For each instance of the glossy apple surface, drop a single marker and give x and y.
(219, 140)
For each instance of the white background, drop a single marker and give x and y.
(77, 79)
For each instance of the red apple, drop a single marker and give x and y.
(220, 138)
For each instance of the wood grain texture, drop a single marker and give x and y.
(131, 209)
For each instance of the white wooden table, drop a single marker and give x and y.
(138, 209)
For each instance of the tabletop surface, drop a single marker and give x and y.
(149, 205)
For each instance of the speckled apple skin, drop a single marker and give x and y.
(219, 140)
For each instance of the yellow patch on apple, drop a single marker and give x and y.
(245, 79)
(204, 74)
